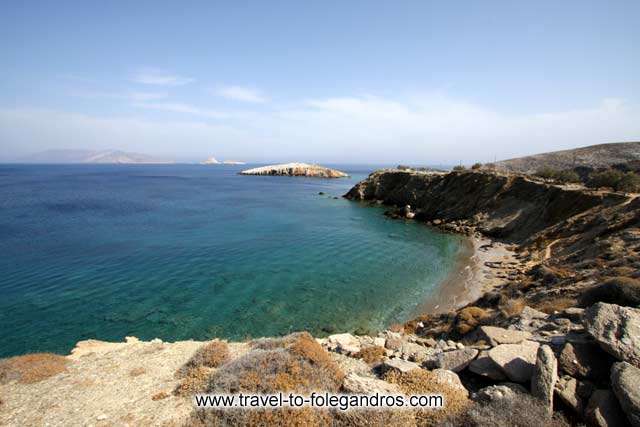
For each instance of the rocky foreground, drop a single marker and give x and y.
(555, 342)
(296, 169)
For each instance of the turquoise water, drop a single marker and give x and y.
(190, 251)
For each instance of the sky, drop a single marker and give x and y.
(417, 82)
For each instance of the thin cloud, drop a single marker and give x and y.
(242, 94)
(184, 109)
(128, 96)
(149, 76)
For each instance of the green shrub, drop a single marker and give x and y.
(476, 166)
(562, 176)
(615, 179)
(459, 168)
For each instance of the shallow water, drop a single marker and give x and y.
(190, 251)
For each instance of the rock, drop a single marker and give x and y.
(484, 366)
(378, 341)
(354, 383)
(496, 336)
(585, 360)
(604, 410)
(625, 382)
(393, 343)
(345, 343)
(516, 360)
(574, 393)
(500, 391)
(415, 352)
(531, 313)
(573, 313)
(616, 329)
(456, 360)
(444, 376)
(399, 365)
(545, 375)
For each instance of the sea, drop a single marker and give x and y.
(182, 252)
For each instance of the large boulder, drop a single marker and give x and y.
(344, 343)
(545, 375)
(585, 360)
(516, 360)
(485, 367)
(456, 360)
(604, 410)
(616, 329)
(416, 352)
(574, 393)
(449, 378)
(496, 336)
(354, 383)
(625, 381)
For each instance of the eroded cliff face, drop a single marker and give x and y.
(509, 207)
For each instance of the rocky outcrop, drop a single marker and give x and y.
(516, 360)
(296, 169)
(625, 380)
(616, 329)
(545, 375)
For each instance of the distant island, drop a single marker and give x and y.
(91, 156)
(213, 161)
(296, 169)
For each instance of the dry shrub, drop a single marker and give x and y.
(194, 381)
(160, 395)
(295, 363)
(556, 304)
(137, 371)
(420, 381)
(210, 355)
(513, 307)
(522, 411)
(372, 354)
(397, 327)
(365, 417)
(469, 318)
(616, 290)
(31, 368)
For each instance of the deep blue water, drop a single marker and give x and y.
(190, 251)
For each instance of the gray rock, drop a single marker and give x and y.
(585, 360)
(573, 313)
(344, 343)
(484, 366)
(574, 393)
(415, 352)
(444, 376)
(531, 313)
(456, 360)
(545, 375)
(617, 330)
(604, 410)
(499, 392)
(393, 343)
(516, 360)
(625, 382)
(496, 336)
(354, 383)
(399, 365)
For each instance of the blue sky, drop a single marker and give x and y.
(331, 81)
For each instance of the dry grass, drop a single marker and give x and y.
(210, 355)
(420, 381)
(135, 372)
(31, 368)
(513, 307)
(193, 382)
(469, 318)
(295, 363)
(557, 304)
(372, 354)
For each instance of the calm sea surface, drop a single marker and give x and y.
(190, 251)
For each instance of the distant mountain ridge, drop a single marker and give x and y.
(91, 156)
(593, 156)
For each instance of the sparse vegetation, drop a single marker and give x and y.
(459, 168)
(562, 176)
(160, 395)
(371, 354)
(476, 166)
(556, 304)
(420, 381)
(135, 372)
(469, 318)
(512, 307)
(31, 368)
(616, 290)
(615, 179)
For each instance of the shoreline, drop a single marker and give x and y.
(475, 272)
